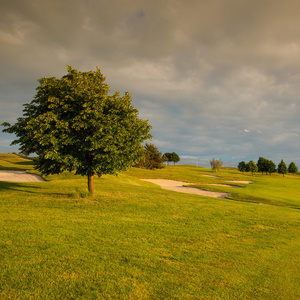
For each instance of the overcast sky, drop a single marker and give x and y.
(217, 78)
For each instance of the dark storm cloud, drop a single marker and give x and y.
(214, 78)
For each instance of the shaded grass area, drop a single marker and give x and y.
(134, 240)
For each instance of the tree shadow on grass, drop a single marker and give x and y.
(258, 200)
(22, 163)
(36, 189)
(17, 186)
(13, 168)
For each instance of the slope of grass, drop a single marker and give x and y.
(266, 189)
(134, 240)
(15, 162)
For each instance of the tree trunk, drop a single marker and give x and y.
(91, 184)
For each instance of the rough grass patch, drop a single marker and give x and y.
(80, 193)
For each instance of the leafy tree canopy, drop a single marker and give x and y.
(292, 168)
(73, 124)
(266, 165)
(167, 157)
(247, 167)
(175, 157)
(282, 169)
(271, 167)
(262, 165)
(242, 166)
(252, 167)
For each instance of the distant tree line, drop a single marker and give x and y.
(152, 158)
(267, 166)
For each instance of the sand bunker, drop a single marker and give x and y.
(241, 181)
(19, 176)
(177, 186)
(225, 185)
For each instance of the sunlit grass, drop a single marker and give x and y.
(14, 162)
(134, 240)
(270, 190)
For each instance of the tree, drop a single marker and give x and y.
(271, 167)
(292, 168)
(262, 165)
(242, 166)
(175, 157)
(216, 164)
(266, 165)
(252, 167)
(282, 169)
(152, 157)
(74, 125)
(247, 169)
(167, 157)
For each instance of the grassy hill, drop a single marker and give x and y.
(15, 162)
(134, 240)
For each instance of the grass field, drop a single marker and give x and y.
(134, 240)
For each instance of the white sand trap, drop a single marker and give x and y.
(177, 186)
(225, 185)
(19, 176)
(209, 175)
(241, 181)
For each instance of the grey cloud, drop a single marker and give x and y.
(200, 71)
